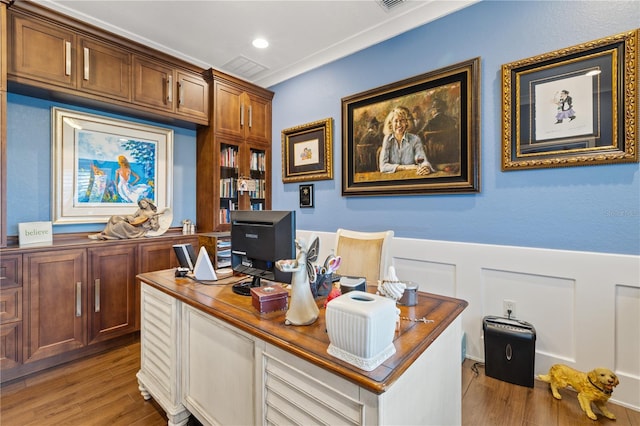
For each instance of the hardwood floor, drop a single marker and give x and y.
(490, 402)
(103, 390)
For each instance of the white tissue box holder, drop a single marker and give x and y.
(361, 327)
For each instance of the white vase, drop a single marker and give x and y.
(303, 309)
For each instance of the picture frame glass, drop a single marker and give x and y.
(103, 166)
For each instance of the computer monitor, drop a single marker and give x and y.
(258, 239)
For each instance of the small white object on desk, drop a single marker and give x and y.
(361, 327)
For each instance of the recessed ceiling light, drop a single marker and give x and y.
(260, 43)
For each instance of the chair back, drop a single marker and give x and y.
(364, 254)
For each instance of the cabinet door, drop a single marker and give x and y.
(192, 96)
(224, 391)
(257, 123)
(104, 70)
(41, 52)
(112, 301)
(55, 303)
(153, 84)
(229, 110)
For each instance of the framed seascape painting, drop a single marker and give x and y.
(576, 106)
(416, 136)
(307, 151)
(103, 166)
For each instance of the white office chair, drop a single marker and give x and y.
(364, 254)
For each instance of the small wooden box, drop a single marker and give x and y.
(269, 298)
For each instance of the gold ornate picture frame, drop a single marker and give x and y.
(307, 152)
(572, 107)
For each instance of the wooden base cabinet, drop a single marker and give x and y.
(62, 303)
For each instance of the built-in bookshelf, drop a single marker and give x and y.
(229, 173)
(257, 168)
(233, 153)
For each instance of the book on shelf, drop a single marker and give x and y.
(229, 157)
(258, 161)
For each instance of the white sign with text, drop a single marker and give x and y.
(35, 233)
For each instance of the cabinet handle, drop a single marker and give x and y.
(250, 116)
(97, 294)
(170, 89)
(180, 93)
(86, 63)
(78, 299)
(241, 115)
(67, 58)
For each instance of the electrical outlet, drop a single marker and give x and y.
(509, 308)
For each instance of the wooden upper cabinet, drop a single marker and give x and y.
(227, 116)
(152, 84)
(192, 95)
(257, 125)
(241, 114)
(158, 85)
(41, 52)
(56, 53)
(104, 70)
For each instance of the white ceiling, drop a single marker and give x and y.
(214, 33)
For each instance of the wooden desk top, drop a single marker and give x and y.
(311, 342)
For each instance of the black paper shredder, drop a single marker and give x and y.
(509, 350)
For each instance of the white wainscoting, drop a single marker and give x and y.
(584, 306)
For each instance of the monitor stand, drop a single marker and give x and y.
(244, 288)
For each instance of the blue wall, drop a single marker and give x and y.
(594, 208)
(29, 191)
(590, 208)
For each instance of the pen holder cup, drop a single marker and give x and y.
(321, 286)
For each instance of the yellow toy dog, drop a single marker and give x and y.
(595, 386)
